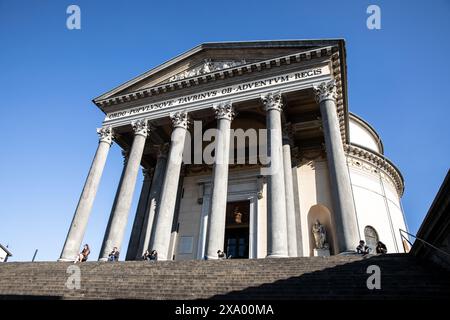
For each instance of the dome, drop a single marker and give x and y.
(362, 134)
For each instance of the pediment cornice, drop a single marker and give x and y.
(216, 74)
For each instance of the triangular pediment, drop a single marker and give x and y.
(213, 57)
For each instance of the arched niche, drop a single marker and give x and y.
(323, 214)
(371, 237)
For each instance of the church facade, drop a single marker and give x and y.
(248, 148)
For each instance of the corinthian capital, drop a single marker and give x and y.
(179, 119)
(105, 134)
(325, 91)
(224, 111)
(272, 100)
(140, 127)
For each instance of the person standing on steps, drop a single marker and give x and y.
(114, 255)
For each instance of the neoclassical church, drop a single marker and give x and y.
(248, 148)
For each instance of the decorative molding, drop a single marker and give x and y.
(378, 162)
(179, 119)
(325, 91)
(297, 57)
(312, 155)
(105, 134)
(140, 127)
(340, 106)
(224, 110)
(272, 101)
(207, 168)
(206, 67)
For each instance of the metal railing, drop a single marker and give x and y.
(421, 240)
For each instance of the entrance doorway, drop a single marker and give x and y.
(237, 229)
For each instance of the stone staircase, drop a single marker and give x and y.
(336, 277)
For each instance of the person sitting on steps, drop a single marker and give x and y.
(221, 254)
(381, 248)
(146, 255)
(153, 256)
(83, 256)
(362, 248)
(114, 255)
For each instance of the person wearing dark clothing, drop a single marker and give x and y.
(146, 255)
(114, 255)
(381, 248)
(153, 256)
(362, 248)
(221, 254)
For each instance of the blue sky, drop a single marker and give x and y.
(398, 78)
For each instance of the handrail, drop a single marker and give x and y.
(427, 243)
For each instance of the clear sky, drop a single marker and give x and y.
(398, 78)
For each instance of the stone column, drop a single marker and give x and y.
(84, 207)
(125, 154)
(133, 244)
(289, 186)
(344, 215)
(153, 201)
(217, 214)
(169, 188)
(277, 245)
(115, 232)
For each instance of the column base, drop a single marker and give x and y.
(103, 259)
(213, 258)
(65, 260)
(277, 256)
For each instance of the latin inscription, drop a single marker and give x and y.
(296, 76)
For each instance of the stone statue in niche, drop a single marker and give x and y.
(237, 215)
(320, 235)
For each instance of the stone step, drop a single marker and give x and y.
(335, 277)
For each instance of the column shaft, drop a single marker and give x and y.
(116, 197)
(80, 219)
(169, 189)
(153, 203)
(277, 245)
(133, 244)
(116, 230)
(344, 215)
(217, 214)
(290, 207)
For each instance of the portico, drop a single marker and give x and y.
(193, 125)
